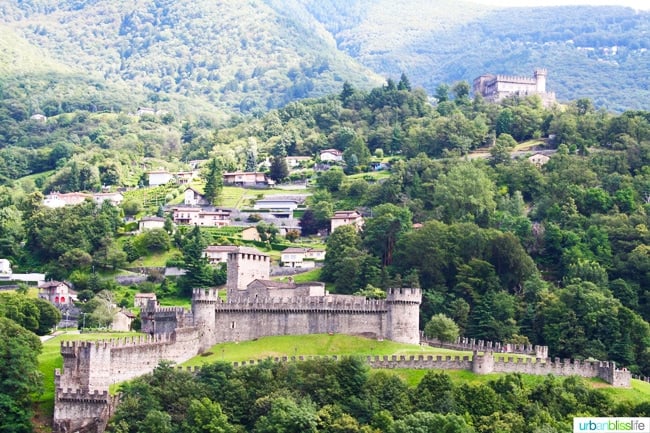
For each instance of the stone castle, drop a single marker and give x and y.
(255, 307)
(495, 88)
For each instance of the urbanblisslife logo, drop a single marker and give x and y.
(611, 425)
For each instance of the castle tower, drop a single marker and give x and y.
(403, 315)
(203, 311)
(245, 265)
(540, 79)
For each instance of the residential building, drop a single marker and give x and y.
(185, 177)
(201, 217)
(250, 234)
(295, 161)
(294, 257)
(40, 118)
(341, 218)
(159, 177)
(5, 269)
(331, 155)
(242, 178)
(192, 197)
(123, 321)
(141, 299)
(538, 159)
(218, 253)
(277, 203)
(57, 199)
(114, 198)
(56, 292)
(151, 222)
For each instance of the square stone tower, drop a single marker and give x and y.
(245, 265)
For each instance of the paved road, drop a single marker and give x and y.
(56, 333)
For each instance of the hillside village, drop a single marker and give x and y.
(377, 214)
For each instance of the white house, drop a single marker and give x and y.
(242, 178)
(115, 198)
(5, 269)
(56, 199)
(151, 222)
(40, 118)
(201, 217)
(192, 197)
(295, 161)
(159, 177)
(331, 155)
(218, 253)
(538, 159)
(345, 217)
(276, 204)
(293, 257)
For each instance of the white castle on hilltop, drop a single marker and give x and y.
(495, 88)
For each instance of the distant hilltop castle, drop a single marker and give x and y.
(495, 88)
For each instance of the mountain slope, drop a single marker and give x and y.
(596, 52)
(195, 56)
(230, 53)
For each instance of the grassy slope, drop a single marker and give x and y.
(311, 345)
(328, 345)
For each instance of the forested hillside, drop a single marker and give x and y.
(229, 54)
(595, 52)
(554, 255)
(191, 57)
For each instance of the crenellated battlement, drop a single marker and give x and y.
(98, 397)
(472, 344)
(303, 304)
(516, 79)
(410, 295)
(205, 295)
(476, 363)
(72, 348)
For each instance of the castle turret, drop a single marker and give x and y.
(203, 310)
(245, 265)
(540, 80)
(404, 315)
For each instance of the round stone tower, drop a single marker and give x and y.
(246, 264)
(403, 317)
(540, 80)
(203, 311)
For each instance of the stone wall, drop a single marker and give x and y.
(472, 344)
(480, 364)
(81, 401)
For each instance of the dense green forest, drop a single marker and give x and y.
(189, 57)
(329, 396)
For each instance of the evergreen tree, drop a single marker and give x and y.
(404, 83)
(198, 273)
(279, 170)
(213, 181)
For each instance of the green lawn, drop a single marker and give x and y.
(312, 345)
(371, 175)
(231, 196)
